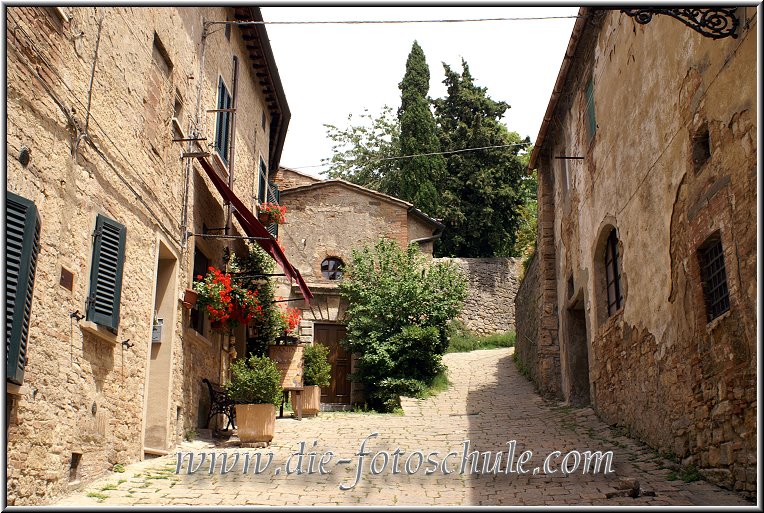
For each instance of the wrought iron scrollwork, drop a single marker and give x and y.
(716, 23)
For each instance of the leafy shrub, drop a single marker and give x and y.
(256, 380)
(462, 340)
(316, 369)
(400, 306)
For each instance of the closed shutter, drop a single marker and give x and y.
(591, 121)
(106, 273)
(22, 239)
(273, 197)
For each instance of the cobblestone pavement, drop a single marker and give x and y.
(489, 404)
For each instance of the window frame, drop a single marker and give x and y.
(612, 274)
(223, 122)
(591, 119)
(197, 317)
(716, 296)
(337, 272)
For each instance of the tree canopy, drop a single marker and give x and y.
(471, 177)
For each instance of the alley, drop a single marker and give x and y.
(489, 403)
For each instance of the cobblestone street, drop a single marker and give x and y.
(489, 403)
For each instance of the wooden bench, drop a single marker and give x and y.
(220, 403)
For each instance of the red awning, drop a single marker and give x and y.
(253, 228)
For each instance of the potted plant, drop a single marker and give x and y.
(255, 388)
(317, 373)
(272, 213)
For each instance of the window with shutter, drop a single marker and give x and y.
(106, 273)
(591, 121)
(22, 244)
(223, 122)
(262, 183)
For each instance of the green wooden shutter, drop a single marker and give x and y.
(106, 273)
(590, 119)
(22, 246)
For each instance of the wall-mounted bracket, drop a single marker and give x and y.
(716, 23)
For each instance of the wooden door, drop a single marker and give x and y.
(338, 391)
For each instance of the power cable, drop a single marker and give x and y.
(426, 154)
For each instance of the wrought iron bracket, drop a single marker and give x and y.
(716, 23)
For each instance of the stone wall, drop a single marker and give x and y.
(84, 392)
(657, 366)
(528, 312)
(491, 287)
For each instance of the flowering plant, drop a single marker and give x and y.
(290, 320)
(273, 213)
(226, 301)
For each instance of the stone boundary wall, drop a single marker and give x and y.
(491, 287)
(527, 309)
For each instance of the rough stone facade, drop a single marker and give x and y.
(491, 288)
(670, 165)
(87, 400)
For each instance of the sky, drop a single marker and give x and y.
(330, 71)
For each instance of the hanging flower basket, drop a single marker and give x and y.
(226, 301)
(272, 213)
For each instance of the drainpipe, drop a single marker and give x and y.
(232, 149)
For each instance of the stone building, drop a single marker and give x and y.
(129, 130)
(326, 220)
(641, 297)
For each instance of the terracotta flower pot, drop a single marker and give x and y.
(189, 298)
(264, 218)
(255, 422)
(311, 400)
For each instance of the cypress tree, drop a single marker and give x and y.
(418, 177)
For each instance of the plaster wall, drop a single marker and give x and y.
(657, 366)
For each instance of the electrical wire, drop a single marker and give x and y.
(426, 154)
(385, 22)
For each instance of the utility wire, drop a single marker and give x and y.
(427, 154)
(381, 22)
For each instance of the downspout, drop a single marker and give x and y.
(232, 149)
(196, 131)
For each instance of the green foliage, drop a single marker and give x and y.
(400, 305)
(316, 369)
(525, 238)
(440, 383)
(482, 193)
(268, 326)
(419, 176)
(118, 467)
(255, 380)
(365, 153)
(462, 340)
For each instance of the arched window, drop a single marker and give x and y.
(613, 274)
(331, 268)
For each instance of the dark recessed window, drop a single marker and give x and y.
(701, 147)
(591, 121)
(612, 274)
(714, 276)
(201, 264)
(331, 268)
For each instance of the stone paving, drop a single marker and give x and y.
(489, 403)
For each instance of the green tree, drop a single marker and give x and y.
(366, 153)
(400, 306)
(482, 196)
(420, 175)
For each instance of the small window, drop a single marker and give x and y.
(228, 30)
(223, 122)
(106, 273)
(612, 274)
(701, 147)
(331, 268)
(201, 264)
(22, 244)
(262, 120)
(591, 121)
(714, 276)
